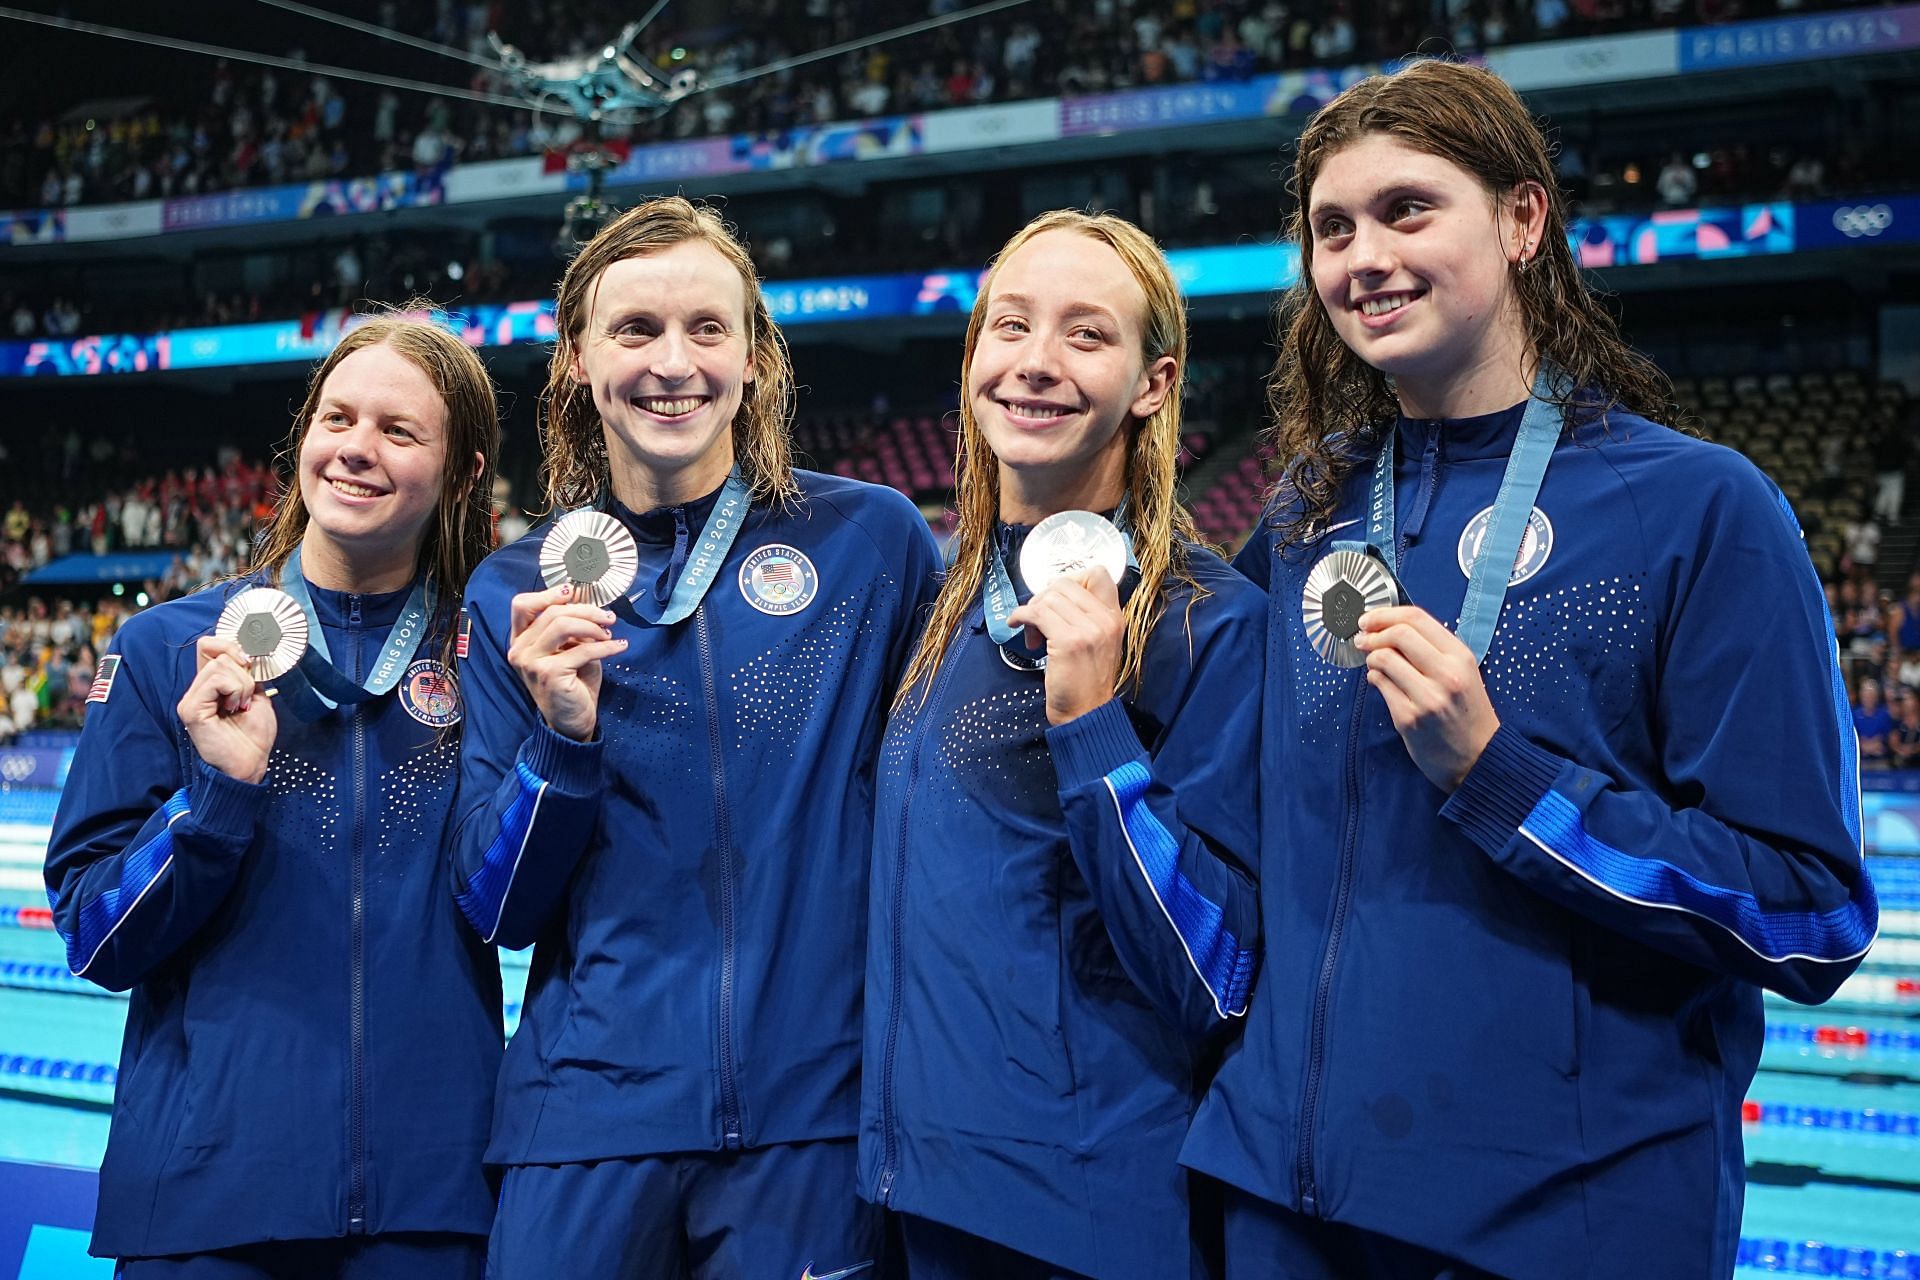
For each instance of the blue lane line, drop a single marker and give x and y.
(1901, 1124)
(1897, 1043)
(38, 1068)
(29, 975)
(1814, 1258)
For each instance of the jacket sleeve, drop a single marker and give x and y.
(1167, 836)
(144, 847)
(1748, 861)
(1254, 560)
(528, 802)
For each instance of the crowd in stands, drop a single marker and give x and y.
(47, 660)
(48, 644)
(383, 266)
(1884, 634)
(246, 125)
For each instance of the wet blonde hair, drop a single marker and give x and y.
(573, 439)
(1161, 526)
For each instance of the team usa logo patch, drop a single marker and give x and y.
(103, 678)
(462, 635)
(1536, 544)
(779, 579)
(430, 694)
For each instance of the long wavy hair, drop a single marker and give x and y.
(1161, 526)
(572, 437)
(460, 534)
(1330, 408)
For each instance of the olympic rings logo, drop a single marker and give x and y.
(1856, 220)
(15, 768)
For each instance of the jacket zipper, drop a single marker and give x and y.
(1323, 990)
(896, 911)
(1343, 894)
(730, 1120)
(357, 1186)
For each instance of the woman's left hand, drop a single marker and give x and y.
(1081, 621)
(1433, 690)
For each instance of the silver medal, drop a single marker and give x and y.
(1068, 543)
(270, 628)
(1344, 585)
(594, 552)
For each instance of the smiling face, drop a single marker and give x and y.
(372, 461)
(667, 353)
(1058, 369)
(1411, 257)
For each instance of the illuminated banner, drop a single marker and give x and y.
(1292, 93)
(1845, 224)
(1847, 33)
(1240, 268)
(308, 200)
(1669, 235)
(33, 226)
(96, 353)
(1556, 64)
(1616, 240)
(35, 767)
(1561, 64)
(860, 297)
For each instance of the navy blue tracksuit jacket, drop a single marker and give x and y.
(313, 1033)
(694, 877)
(1515, 1024)
(1065, 926)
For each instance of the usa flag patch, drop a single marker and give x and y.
(462, 635)
(103, 677)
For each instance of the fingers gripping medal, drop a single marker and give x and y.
(1068, 543)
(270, 628)
(1344, 585)
(594, 552)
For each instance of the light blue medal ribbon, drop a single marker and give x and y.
(315, 686)
(998, 598)
(704, 559)
(1506, 527)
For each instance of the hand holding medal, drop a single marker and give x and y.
(1434, 692)
(560, 635)
(1073, 561)
(231, 722)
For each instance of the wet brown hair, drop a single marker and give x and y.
(460, 534)
(1329, 406)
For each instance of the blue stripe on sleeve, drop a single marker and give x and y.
(1839, 934)
(485, 901)
(1225, 967)
(140, 869)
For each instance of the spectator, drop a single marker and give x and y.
(1873, 723)
(1904, 745)
(1677, 183)
(1891, 452)
(1863, 546)
(1807, 179)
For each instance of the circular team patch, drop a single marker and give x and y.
(778, 579)
(1536, 544)
(430, 694)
